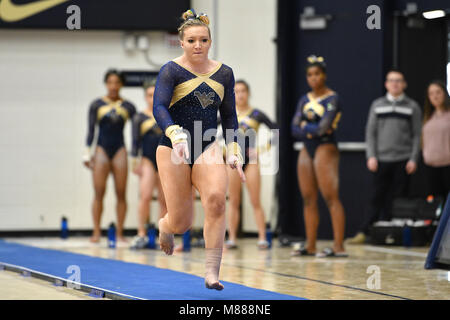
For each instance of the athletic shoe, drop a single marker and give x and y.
(360, 238)
(139, 243)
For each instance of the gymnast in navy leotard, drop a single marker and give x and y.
(250, 119)
(314, 123)
(316, 120)
(146, 132)
(191, 100)
(146, 136)
(109, 114)
(190, 90)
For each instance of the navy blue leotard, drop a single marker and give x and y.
(252, 119)
(146, 136)
(191, 100)
(111, 117)
(321, 115)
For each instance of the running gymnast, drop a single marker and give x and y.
(314, 123)
(249, 119)
(110, 114)
(146, 136)
(189, 91)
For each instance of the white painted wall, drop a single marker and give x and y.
(49, 79)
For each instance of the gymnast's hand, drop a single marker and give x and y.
(88, 162)
(234, 159)
(136, 166)
(181, 150)
(234, 163)
(179, 143)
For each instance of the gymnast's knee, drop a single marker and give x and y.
(180, 226)
(120, 194)
(331, 200)
(215, 201)
(309, 201)
(99, 193)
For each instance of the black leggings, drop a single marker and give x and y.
(390, 181)
(438, 180)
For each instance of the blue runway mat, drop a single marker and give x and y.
(130, 279)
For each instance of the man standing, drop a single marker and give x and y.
(393, 134)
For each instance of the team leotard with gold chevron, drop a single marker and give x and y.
(146, 136)
(191, 100)
(322, 116)
(111, 117)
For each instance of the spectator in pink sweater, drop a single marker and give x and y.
(436, 138)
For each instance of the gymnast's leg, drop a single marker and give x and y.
(309, 190)
(326, 165)
(253, 184)
(177, 188)
(100, 172)
(120, 173)
(234, 201)
(210, 179)
(147, 182)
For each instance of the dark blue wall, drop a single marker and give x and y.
(357, 60)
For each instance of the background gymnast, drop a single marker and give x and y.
(110, 114)
(189, 91)
(248, 118)
(146, 135)
(314, 123)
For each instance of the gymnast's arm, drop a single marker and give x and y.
(296, 130)
(136, 137)
(325, 124)
(263, 118)
(227, 109)
(162, 97)
(230, 123)
(165, 85)
(92, 120)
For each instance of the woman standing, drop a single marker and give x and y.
(314, 123)
(189, 91)
(146, 135)
(110, 114)
(436, 139)
(249, 119)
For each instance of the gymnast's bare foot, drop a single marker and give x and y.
(213, 257)
(212, 282)
(165, 241)
(122, 239)
(95, 237)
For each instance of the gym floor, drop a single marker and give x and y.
(401, 271)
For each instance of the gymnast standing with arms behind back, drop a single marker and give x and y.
(189, 91)
(110, 114)
(314, 123)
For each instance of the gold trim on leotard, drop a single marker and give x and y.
(117, 105)
(147, 125)
(244, 118)
(185, 88)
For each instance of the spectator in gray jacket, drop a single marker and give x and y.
(393, 134)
